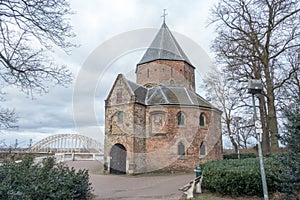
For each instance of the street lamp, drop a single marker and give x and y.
(237, 119)
(255, 87)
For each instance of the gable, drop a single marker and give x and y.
(120, 92)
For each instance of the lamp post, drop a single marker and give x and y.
(255, 87)
(237, 119)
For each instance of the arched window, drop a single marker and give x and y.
(180, 118)
(172, 83)
(202, 149)
(119, 97)
(120, 117)
(202, 119)
(181, 149)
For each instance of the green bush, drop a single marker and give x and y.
(239, 177)
(290, 161)
(235, 155)
(47, 180)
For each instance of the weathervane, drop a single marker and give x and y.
(164, 15)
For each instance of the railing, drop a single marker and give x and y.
(61, 157)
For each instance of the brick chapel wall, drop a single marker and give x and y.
(139, 148)
(167, 73)
(162, 147)
(116, 132)
(119, 133)
(214, 139)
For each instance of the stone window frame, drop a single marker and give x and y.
(119, 98)
(120, 117)
(172, 83)
(202, 119)
(202, 149)
(182, 121)
(181, 149)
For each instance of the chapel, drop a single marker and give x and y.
(159, 122)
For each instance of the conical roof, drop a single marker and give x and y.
(164, 47)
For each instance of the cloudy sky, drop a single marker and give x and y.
(100, 26)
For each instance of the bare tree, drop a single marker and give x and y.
(244, 130)
(253, 40)
(29, 29)
(290, 92)
(227, 95)
(7, 118)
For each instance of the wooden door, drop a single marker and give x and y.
(118, 159)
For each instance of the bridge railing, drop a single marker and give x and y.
(61, 157)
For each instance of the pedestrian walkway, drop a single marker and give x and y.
(127, 187)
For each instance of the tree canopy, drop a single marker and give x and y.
(259, 39)
(29, 29)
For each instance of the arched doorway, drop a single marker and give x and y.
(118, 159)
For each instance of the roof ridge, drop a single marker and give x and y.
(148, 99)
(165, 97)
(188, 95)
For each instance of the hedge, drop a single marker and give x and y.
(235, 155)
(47, 180)
(239, 177)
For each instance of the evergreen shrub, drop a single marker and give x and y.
(235, 155)
(239, 177)
(47, 180)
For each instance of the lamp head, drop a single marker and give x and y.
(255, 86)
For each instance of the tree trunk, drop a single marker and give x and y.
(271, 116)
(235, 146)
(272, 124)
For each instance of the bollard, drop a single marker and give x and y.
(198, 175)
(198, 171)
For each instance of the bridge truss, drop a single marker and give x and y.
(64, 143)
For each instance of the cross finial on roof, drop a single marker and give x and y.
(164, 15)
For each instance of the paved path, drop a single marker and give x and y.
(133, 187)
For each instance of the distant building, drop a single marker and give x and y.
(160, 122)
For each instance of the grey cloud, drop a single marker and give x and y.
(94, 23)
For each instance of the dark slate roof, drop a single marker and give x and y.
(162, 95)
(164, 47)
(140, 92)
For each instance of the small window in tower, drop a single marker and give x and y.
(172, 83)
(180, 119)
(202, 149)
(119, 97)
(202, 119)
(181, 149)
(171, 72)
(120, 117)
(148, 73)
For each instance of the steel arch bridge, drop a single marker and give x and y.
(65, 143)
